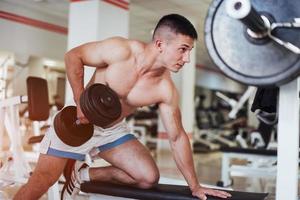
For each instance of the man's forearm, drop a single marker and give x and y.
(75, 74)
(182, 152)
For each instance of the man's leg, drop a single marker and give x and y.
(46, 173)
(131, 163)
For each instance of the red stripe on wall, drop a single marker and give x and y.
(125, 3)
(34, 22)
(119, 3)
(76, 0)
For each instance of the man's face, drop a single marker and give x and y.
(176, 52)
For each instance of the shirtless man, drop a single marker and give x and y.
(140, 74)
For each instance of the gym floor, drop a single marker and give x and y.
(208, 166)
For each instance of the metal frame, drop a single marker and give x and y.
(260, 166)
(288, 142)
(287, 171)
(18, 169)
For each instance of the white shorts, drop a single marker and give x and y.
(103, 139)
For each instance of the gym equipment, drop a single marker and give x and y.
(99, 104)
(143, 124)
(213, 130)
(38, 105)
(159, 192)
(260, 163)
(17, 168)
(265, 105)
(263, 59)
(38, 101)
(69, 130)
(237, 105)
(263, 50)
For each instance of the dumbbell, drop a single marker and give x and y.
(69, 130)
(99, 104)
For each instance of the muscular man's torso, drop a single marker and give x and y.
(133, 89)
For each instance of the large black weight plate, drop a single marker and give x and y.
(253, 63)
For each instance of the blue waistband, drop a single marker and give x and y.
(81, 157)
(117, 142)
(65, 154)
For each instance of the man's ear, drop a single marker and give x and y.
(159, 45)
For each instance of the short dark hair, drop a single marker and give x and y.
(177, 24)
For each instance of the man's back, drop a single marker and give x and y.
(124, 74)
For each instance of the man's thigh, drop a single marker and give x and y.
(48, 168)
(131, 157)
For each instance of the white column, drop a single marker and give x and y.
(2, 114)
(95, 20)
(288, 142)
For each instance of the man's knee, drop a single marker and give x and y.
(148, 179)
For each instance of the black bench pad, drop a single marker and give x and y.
(159, 192)
(249, 151)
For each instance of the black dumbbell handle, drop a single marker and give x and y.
(239, 9)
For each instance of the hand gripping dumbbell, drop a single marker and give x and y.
(99, 104)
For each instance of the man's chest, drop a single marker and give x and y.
(144, 94)
(132, 90)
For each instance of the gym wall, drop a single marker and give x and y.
(24, 39)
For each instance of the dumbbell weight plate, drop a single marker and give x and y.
(100, 105)
(67, 130)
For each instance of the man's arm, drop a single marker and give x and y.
(94, 54)
(180, 145)
(179, 141)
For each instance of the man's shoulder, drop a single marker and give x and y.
(116, 48)
(125, 41)
(117, 40)
(168, 89)
(126, 44)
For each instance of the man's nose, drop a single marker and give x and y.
(186, 58)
